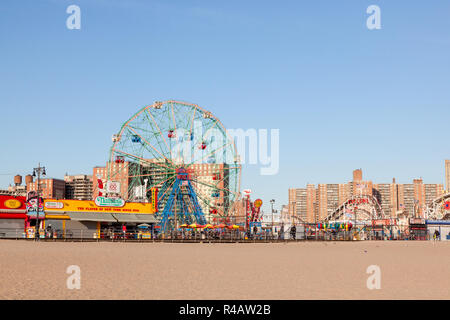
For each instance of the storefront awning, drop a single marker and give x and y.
(13, 211)
(136, 218)
(84, 216)
(438, 222)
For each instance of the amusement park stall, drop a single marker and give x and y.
(418, 229)
(442, 226)
(389, 229)
(86, 219)
(12, 216)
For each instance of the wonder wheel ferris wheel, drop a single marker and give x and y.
(183, 152)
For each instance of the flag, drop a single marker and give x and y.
(100, 186)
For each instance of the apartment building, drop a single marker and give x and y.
(49, 188)
(78, 187)
(314, 203)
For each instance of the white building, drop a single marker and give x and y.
(268, 218)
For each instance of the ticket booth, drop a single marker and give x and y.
(417, 229)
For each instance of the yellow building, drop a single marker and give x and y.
(86, 219)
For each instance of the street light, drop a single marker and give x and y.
(272, 202)
(37, 172)
(414, 208)
(293, 211)
(316, 227)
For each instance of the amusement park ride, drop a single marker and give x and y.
(252, 209)
(183, 152)
(180, 156)
(364, 208)
(364, 211)
(439, 208)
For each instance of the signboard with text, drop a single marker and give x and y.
(109, 202)
(58, 206)
(416, 221)
(11, 202)
(112, 187)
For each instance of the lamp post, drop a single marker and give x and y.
(414, 208)
(272, 202)
(316, 227)
(293, 213)
(37, 172)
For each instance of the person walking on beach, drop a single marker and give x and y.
(436, 235)
(281, 234)
(124, 230)
(50, 231)
(293, 232)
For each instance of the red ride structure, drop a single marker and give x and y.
(252, 209)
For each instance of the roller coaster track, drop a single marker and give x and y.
(367, 207)
(436, 209)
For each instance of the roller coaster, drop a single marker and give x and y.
(358, 207)
(438, 209)
(367, 208)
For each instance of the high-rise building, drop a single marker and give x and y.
(311, 207)
(357, 175)
(78, 187)
(49, 188)
(298, 203)
(321, 201)
(315, 203)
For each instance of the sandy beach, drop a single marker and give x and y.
(323, 270)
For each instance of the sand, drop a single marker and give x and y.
(305, 270)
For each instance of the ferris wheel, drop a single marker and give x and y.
(184, 153)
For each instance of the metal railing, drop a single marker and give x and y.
(275, 233)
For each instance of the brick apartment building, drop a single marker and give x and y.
(394, 198)
(49, 188)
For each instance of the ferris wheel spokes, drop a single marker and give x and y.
(169, 160)
(213, 153)
(213, 186)
(139, 158)
(207, 203)
(160, 132)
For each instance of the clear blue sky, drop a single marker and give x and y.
(343, 96)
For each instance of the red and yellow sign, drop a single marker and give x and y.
(258, 203)
(59, 206)
(12, 204)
